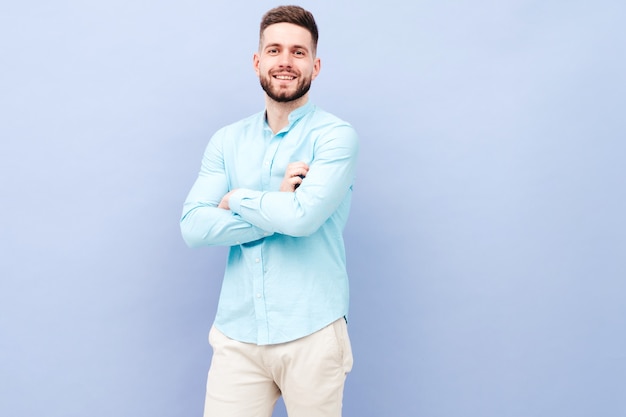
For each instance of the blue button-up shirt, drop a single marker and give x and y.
(286, 272)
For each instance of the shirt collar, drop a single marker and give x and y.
(294, 116)
(298, 113)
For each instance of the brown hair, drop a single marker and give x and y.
(290, 14)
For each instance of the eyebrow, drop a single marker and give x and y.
(275, 44)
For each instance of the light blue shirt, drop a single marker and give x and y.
(286, 272)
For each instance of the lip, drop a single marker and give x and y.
(285, 77)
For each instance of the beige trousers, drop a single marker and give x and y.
(245, 380)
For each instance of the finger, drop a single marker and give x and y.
(295, 173)
(302, 171)
(295, 166)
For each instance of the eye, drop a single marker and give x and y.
(299, 52)
(272, 51)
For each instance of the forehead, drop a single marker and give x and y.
(286, 34)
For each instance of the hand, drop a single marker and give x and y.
(224, 203)
(295, 173)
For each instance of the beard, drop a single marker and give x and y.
(276, 94)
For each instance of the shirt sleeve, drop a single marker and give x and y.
(303, 212)
(202, 222)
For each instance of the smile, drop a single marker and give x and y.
(285, 77)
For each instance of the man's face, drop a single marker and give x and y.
(286, 62)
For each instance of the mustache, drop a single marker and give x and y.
(284, 72)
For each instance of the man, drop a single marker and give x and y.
(276, 188)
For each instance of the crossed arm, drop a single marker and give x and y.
(294, 174)
(215, 215)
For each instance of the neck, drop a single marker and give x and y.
(278, 113)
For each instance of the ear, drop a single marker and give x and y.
(317, 66)
(255, 62)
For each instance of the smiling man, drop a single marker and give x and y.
(286, 77)
(276, 188)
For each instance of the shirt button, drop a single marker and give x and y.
(267, 163)
(258, 295)
(257, 260)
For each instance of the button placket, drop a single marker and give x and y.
(258, 291)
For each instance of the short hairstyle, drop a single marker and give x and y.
(290, 14)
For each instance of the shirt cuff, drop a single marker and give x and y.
(234, 202)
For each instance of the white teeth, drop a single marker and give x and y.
(284, 77)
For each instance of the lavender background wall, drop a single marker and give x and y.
(487, 243)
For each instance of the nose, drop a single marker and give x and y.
(285, 59)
